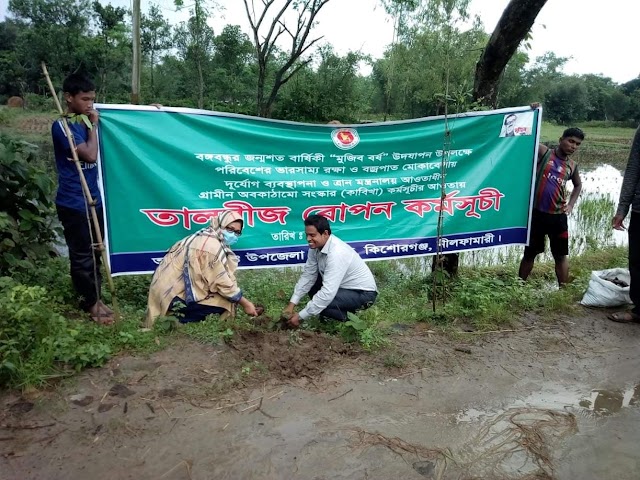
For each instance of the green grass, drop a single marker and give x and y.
(485, 297)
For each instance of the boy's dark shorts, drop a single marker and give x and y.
(553, 225)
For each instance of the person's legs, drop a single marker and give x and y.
(634, 260)
(562, 269)
(448, 261)
(194, 312)
(348, 301)
(526, 264)
(536, 244)
(559, 244)
(84, 259)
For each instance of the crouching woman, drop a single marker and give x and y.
(196, 277)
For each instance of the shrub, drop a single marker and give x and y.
(26, 206)
(23, 325)
(6, 116)
(38, 343)
(39, 103)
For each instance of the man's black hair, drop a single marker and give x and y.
(506, 119)
(573, 132)
(76, 83)
(318, 221)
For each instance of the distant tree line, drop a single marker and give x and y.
(430, 64)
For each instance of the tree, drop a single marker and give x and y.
(545, 72)
(233, 79)
(599, 91)
(330, 92)
(567, 101)
(632, 90)
(618, 106)
(55, 33)
(513, 27)
(11, 72)
(432, 60)
(512, 90)
(156, 38)
(306, 12)
(112, 46)
(194, 40)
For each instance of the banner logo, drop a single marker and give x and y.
(345, 138)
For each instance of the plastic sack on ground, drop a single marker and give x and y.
(608, 288)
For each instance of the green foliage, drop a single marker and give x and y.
(364, 329)
(7, 116)
(51, 31)
(194, 42)
(567, 101)
(33, 337)
(155, 38)
(491, 299)
(330, 93)
(39, 103)
(26, 206)
(594, 213)
(39, 338)
(213, 330)
(210, 332)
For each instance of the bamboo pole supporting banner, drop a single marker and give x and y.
(87, 194)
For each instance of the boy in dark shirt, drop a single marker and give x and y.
(72, 206)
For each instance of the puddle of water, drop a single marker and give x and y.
(514, 440)
(607, 402)
(598, 403)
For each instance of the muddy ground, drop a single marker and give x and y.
(545, 399)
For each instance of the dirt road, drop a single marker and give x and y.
(554, 399)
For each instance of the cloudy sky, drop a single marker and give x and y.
(600, 37)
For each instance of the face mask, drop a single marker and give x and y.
(229, 238)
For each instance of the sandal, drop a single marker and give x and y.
(624, 317)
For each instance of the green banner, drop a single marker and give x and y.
(165, 172)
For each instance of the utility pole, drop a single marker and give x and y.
(135, 74)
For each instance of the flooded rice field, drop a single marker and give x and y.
(589, 224)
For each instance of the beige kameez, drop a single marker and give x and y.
(207, 277)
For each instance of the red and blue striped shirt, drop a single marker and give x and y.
(551, 182)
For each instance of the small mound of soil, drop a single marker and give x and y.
(290, 356)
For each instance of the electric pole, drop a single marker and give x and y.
(135, 75)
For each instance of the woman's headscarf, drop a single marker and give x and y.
(218, 224)
(213, 230)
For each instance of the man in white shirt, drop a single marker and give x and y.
(335, 277)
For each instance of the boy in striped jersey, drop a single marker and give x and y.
(550, 205)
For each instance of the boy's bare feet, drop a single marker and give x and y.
(100, 316)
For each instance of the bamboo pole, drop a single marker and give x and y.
(87, 194)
